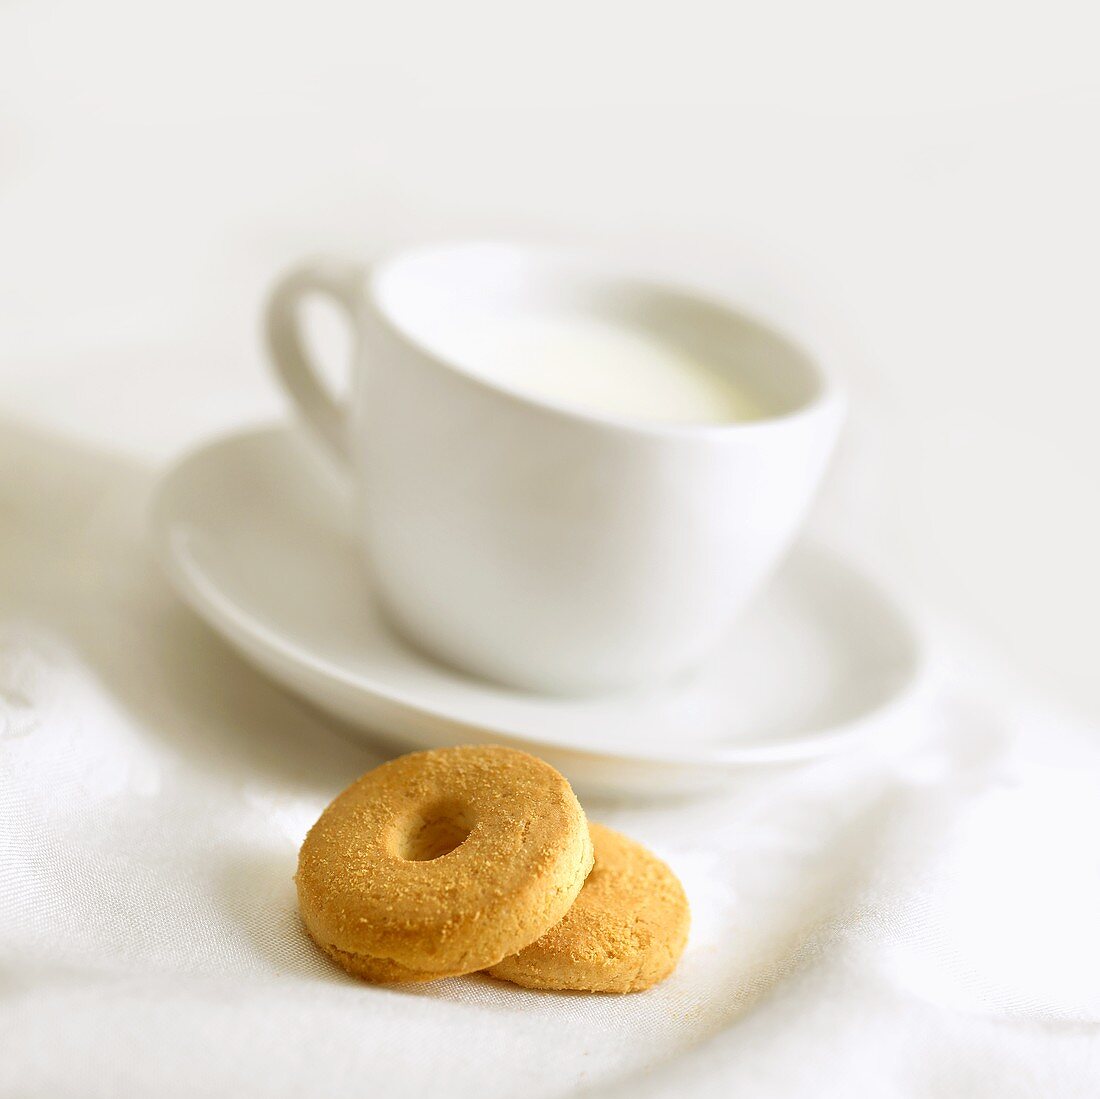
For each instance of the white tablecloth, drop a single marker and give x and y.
(919, 922)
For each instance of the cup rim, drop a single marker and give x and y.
(827, 392)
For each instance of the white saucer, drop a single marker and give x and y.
(254, 533)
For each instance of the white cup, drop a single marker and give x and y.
(528, 541)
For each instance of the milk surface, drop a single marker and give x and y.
(599, 365)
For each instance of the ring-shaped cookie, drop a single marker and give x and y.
(442, 862)
(625, 932)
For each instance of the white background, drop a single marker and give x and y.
(920, 181)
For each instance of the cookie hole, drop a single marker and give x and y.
(434, 832)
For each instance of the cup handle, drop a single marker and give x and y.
(323, 414)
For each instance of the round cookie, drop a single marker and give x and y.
(442, 862)
(625, 932)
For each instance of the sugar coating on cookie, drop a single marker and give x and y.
(625, 932)
(443, 862)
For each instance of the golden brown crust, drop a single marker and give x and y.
(625, 932)
(442, 862)
(379, 971)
